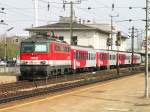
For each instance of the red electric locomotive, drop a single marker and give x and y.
(41, 57)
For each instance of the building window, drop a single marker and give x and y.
(75, 40)
(61, 38)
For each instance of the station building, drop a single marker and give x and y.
(94, 35)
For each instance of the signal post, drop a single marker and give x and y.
(118, 43)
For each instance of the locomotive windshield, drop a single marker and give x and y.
(34, 47)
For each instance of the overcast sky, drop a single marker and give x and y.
(20, 13)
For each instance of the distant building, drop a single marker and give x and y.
(94, 35)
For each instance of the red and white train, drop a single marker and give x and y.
(43, 57)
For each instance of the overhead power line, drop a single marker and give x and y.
(110, 7)
(44, 1)
(16, 10)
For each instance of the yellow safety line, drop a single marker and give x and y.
(57, 96)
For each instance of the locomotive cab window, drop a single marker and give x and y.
(40, 47)
(27, 47)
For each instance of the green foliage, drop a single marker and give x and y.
(12, 49)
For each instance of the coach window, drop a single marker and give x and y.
(78, 55)
(81, 55)
(106, 56)
(74, 55)
(103, 57)
(110, 57)
(100, 56)
(86, 56)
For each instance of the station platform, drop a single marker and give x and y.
(119, 95)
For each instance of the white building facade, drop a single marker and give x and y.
(85, 35)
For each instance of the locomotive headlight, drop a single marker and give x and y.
(43, 62)
(24, 62)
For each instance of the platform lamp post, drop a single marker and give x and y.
(5, 45)
(5, 42)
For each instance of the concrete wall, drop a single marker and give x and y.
(13, 70)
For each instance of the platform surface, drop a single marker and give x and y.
(121, 95)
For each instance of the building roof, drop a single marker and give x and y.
(42, 38)
(66, 26)
(101, 26)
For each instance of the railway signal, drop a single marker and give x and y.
(109, 41)
(118, 41)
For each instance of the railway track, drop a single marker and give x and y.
(26, 89)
